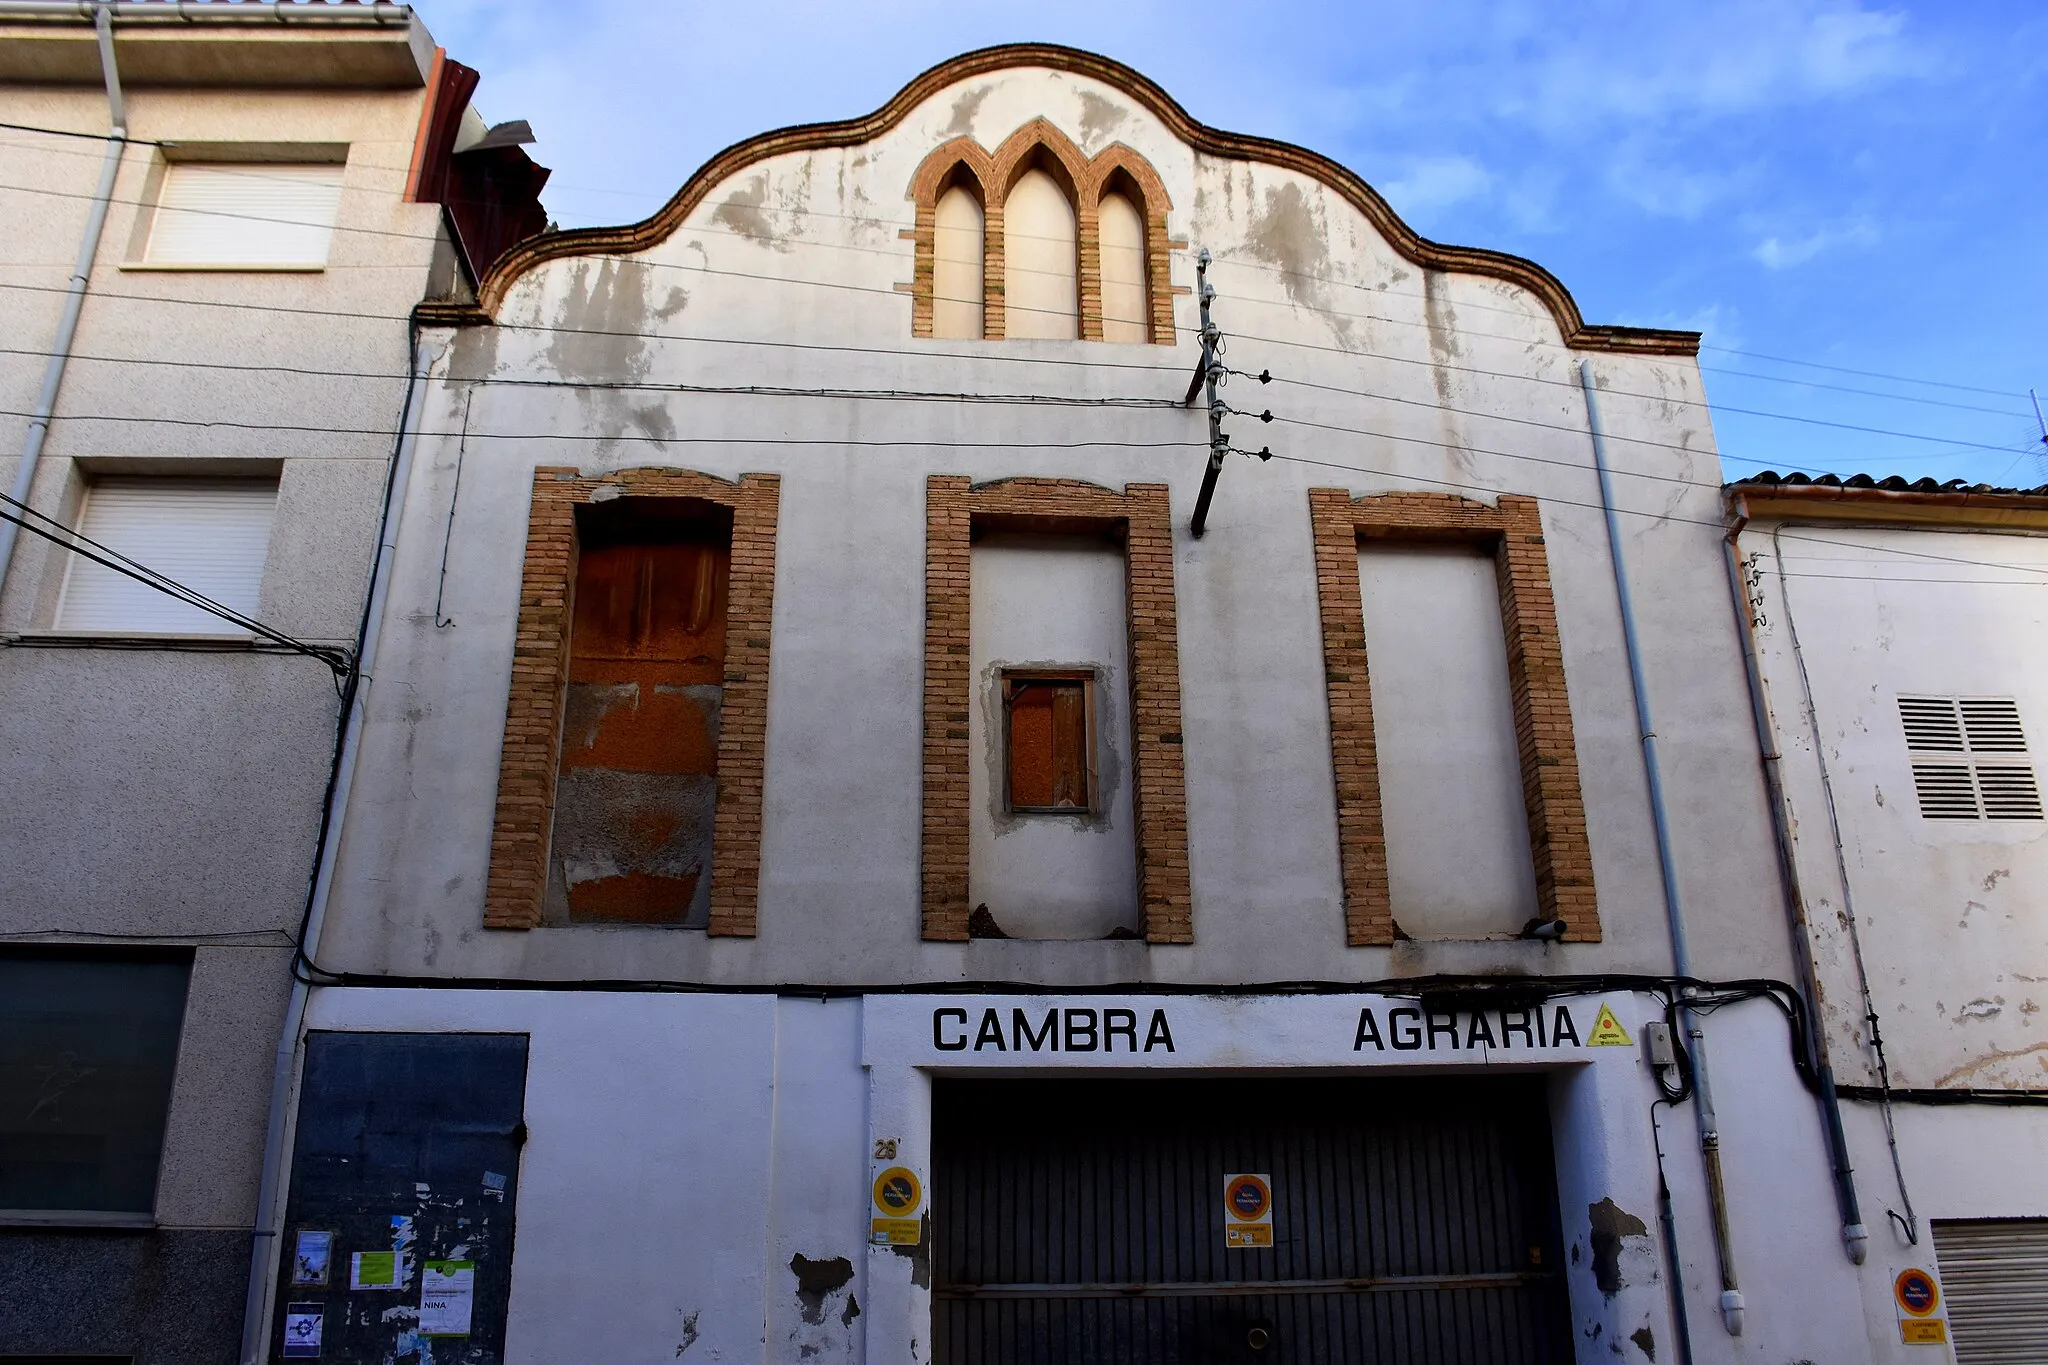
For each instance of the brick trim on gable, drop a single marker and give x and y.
(1543, 722)
(989, 176)
(531, 758)
(1141, 516)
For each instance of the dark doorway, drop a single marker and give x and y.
(1082, 1222)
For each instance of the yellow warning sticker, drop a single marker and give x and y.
(894, 1232)
(1923, 1332)
(1607, 1030)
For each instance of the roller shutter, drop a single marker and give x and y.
(1081, 1222)
(1994, 1273)
(212, 213)
(211, 535)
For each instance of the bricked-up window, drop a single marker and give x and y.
(1050, 744)
(1511, 532)
(667, 511)
(637, 795)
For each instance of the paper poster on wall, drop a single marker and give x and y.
(1247, 1211)
(373, 1270)
(302, 1323)
(311, 1252)
(447, 1293)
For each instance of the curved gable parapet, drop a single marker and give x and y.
(537, 251)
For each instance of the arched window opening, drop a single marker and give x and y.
(1125, 307)
(1041, 260)
(957, 266)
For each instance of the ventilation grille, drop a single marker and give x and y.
(1946, 791)
(2010, 792)
(1992, 725)
(1932, 725)
(1969, 787)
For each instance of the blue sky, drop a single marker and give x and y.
(1854, 186)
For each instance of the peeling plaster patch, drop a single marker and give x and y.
(919, 1256)
(816, 1279)
(1611, 1224)
(852, 1311)
(1981, 1008)
(1991, 882)
(964, 110)
(1645, 1341)
(602, 322)
(689, 1331)
(1292, 234)
(1992, 1059)
(742, 211)
(1100, 118)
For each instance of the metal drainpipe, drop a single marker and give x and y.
(270, 1188)
(1681, 955)
(74, 296)
(1855, 1237)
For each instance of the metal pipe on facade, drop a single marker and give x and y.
(285, 1065)
(1681, 954)
(74, 296)
(1855, 1236)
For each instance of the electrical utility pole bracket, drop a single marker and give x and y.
(1207, 378)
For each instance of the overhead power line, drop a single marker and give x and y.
(340, 661)
(1375, 288)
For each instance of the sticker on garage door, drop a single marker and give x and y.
(1247, 1211)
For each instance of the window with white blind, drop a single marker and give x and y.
(244, 214)
(211, 535)
(1970, 759)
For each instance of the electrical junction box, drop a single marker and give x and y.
(1657, 1044)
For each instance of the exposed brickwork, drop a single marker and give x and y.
(1542, 710)
(1141, 515)
(990, 176)
(540, 670)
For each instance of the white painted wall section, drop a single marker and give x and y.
(1051, 602)
(1457, 831)
(957, 266)
(1041, 261)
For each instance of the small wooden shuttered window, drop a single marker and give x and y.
(232, 213)
(1994, 1273)
(1050, 742)
(211, 535)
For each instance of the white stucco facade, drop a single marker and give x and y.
(713, 1114)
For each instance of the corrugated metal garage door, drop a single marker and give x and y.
(1994, 1273)
(1081, 1222)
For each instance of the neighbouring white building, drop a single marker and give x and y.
(1897, 630)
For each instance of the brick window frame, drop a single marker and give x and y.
(1543, 721)
(1141, 517)
(531, 758)
(989, 177)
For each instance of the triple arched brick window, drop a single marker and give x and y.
(1038, 240)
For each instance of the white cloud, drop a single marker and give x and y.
(1782, 253)
(1437, 182)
